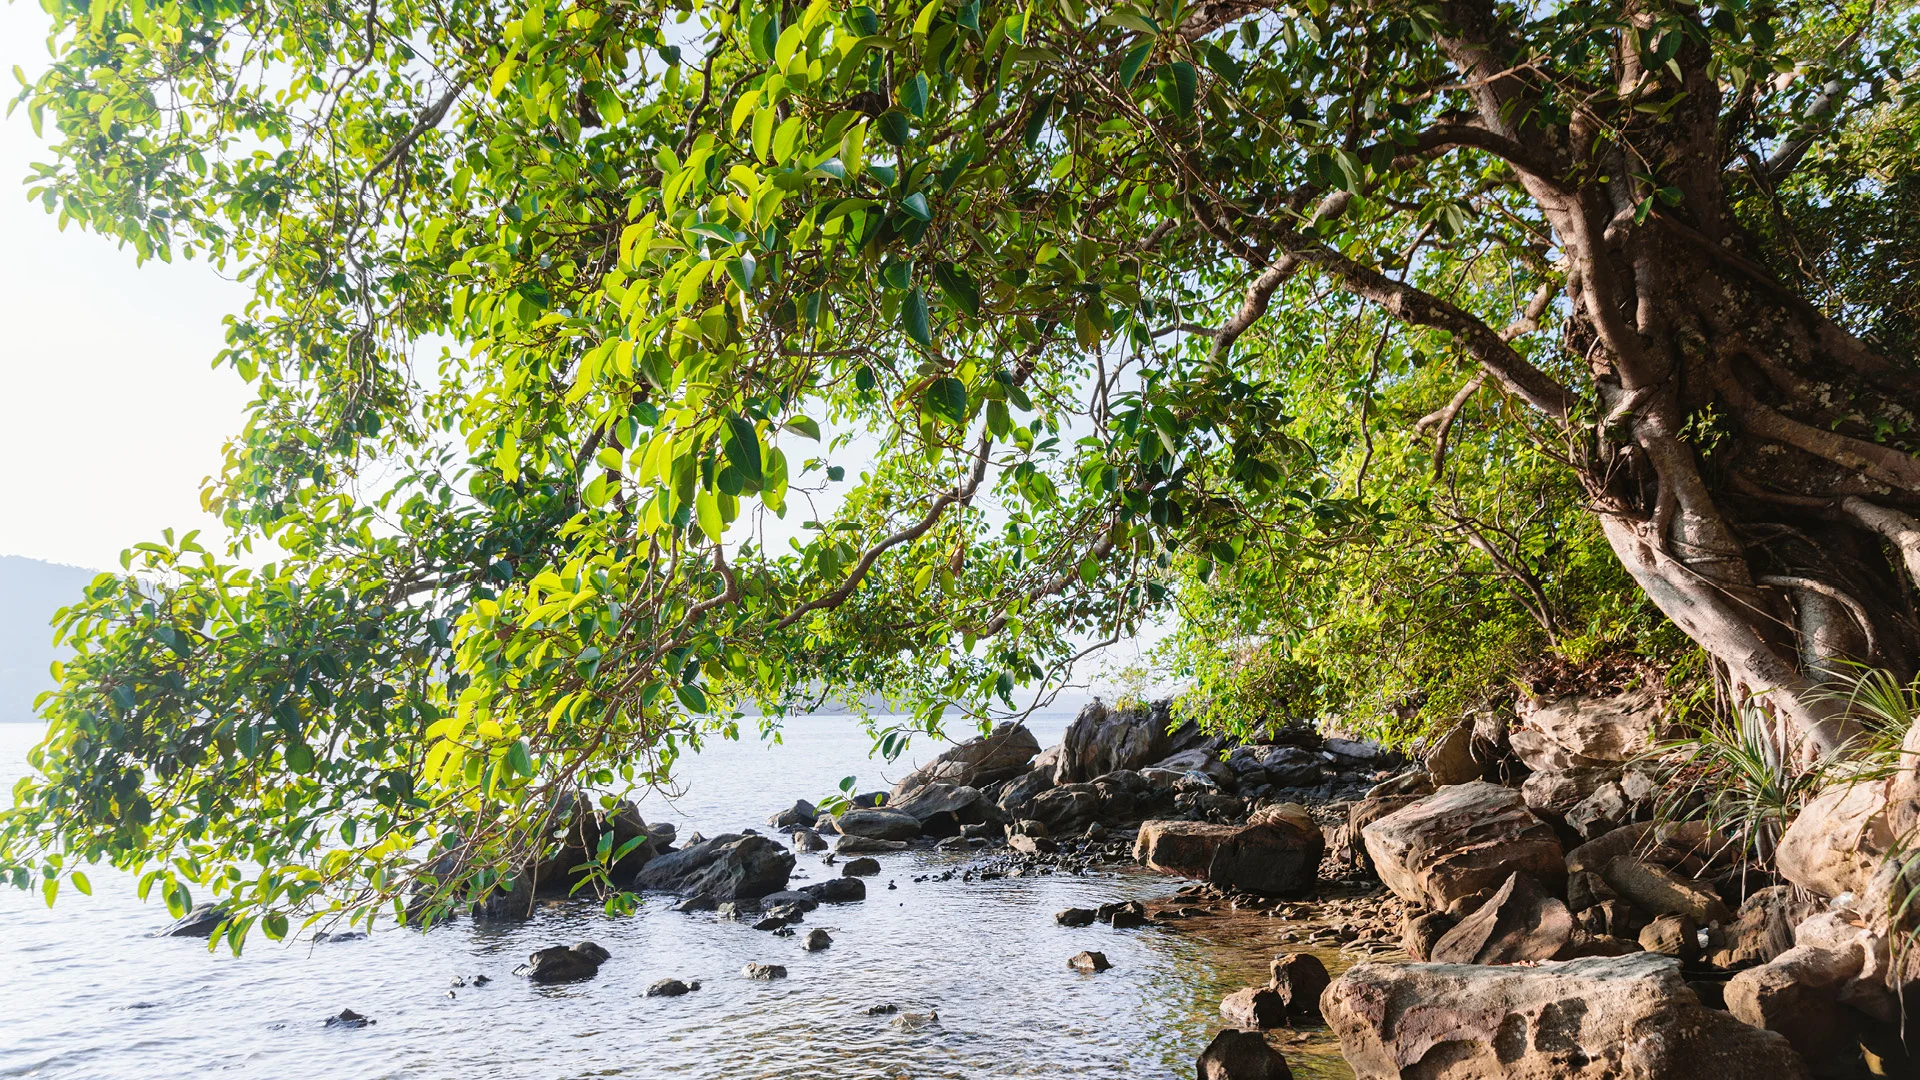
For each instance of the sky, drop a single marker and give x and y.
(110, 411)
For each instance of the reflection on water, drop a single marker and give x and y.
(88, 995)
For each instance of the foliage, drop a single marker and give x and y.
(794, 349)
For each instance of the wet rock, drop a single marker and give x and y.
(1519, 923)
(1016, 798)
(807, 840)
(764, 972)
(1002, 753)
(885, 824)
(1662, 892)
(339, 937)
(727, 867)
(883, 1009)
(1462, 839)
(801, 812)
(1677, 936)
(1584, 730)
(1074, 916)
(1839, 840)
(1798, 995)
(1598, 1018)
(955, 843)
(348, 1019)
(865, 845)
(1123, 916)
(1278, 857)
(1067, 808)
(947, 809)
(771, 922)
(862, 867)
(1299, 979)
(1101, 740)
(788, 898)
(1089, 961)
(840, 890)
(200, 922)
(562, 963)
(1449, 758)
(1255, 1007)
(671, 988)
(915, 1021)
(1241, 1055)
(815, 940)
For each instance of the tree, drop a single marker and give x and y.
(784, 347)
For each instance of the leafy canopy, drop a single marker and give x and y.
(624, 365)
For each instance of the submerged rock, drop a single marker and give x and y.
(198, 923)
(840, 890)
(671, 988)
(562, 963)
(815, 940)
(1600, 1018)
(1089, 961)
(1074, 916)
(728, 867)
(862, 867)
(348, 1019)
(764, 972)
(1241, 1055)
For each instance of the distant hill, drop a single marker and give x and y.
(30, 592)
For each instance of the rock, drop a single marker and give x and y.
(1017, 796)
(1762, 929)
(1032, 845)
(1299, 979)
(764, 972)
(200, 922)
(865, 845)
(1798, 995)
(862, 867)
(1615, 918)
(801, 813)
(1586, 888)
(815, 940)
(1556, 793)
(1074, 916)
(1278, 857)
(789, 898)
(1282, 766)
(1066, 808)
(348, 1019)
(840, 890)
(1663, 892)
(1677, 936)
(1462, 839)
(1199, 762)
(1241, 1055)
(562, 963)
(1359, 751)
(1255, 1007)
(1089, 961)
(1413, 783)
(1002, 753)
(1597, 1018)
(1101, 740)
(884, 1009)
(1419, 934)
(670, 988)
(1449, 759)
(1584, 730)
(807, 840)
(1594, 855)
(1519, 923)
(888, 824)
(727, 867)
(945, 809)
(954, 843)
(915, 1021)
(1839, 840)
(771, 922)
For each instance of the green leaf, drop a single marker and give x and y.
(520, 759)
(894, 127)
(913, 317)
(916, 207)
(742, 448)
(804, 425)
(959, 287)
(50, 888)
(692, 697)
(1130, 65)
(275, 926)
(913, 94)
(1186, 86)
(946, 398)
(80, 882)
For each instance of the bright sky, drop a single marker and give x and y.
(110, 413)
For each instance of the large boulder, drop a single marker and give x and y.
(1763, 928)
(1660, 891)
(1202, 762)
(1553, 736)
(1066, 808)
(1001, 753)
(1596, 1018)
(1449, 757)
(1277, 857)
(1460, 840)
(1519, 923)
(887, 824)
(1017, 794)
(727, 867)
(1241, 1055)
(1101, 740)
(1839, 840)
(944, 809)
(1281, 766)
(1798, 995)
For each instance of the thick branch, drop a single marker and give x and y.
(1900, 530)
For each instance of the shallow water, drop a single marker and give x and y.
(87, 994)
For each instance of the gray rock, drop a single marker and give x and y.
(840, 890)
(947, 809)
(815, 940)
(200, 922)
(1019, 792)
(1074, 916)
(1089, 961)
(801, 812)
(563, 963)
(348, 1019)
(878, 824)
(1002, 753)
(807, 840)
(1101, 740)
(862, 867)
(727, 867)
(671, 988)
(764, 972)
(864, 845)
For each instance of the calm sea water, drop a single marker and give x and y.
(87, 994)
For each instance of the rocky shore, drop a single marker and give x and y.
(1502, 905)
